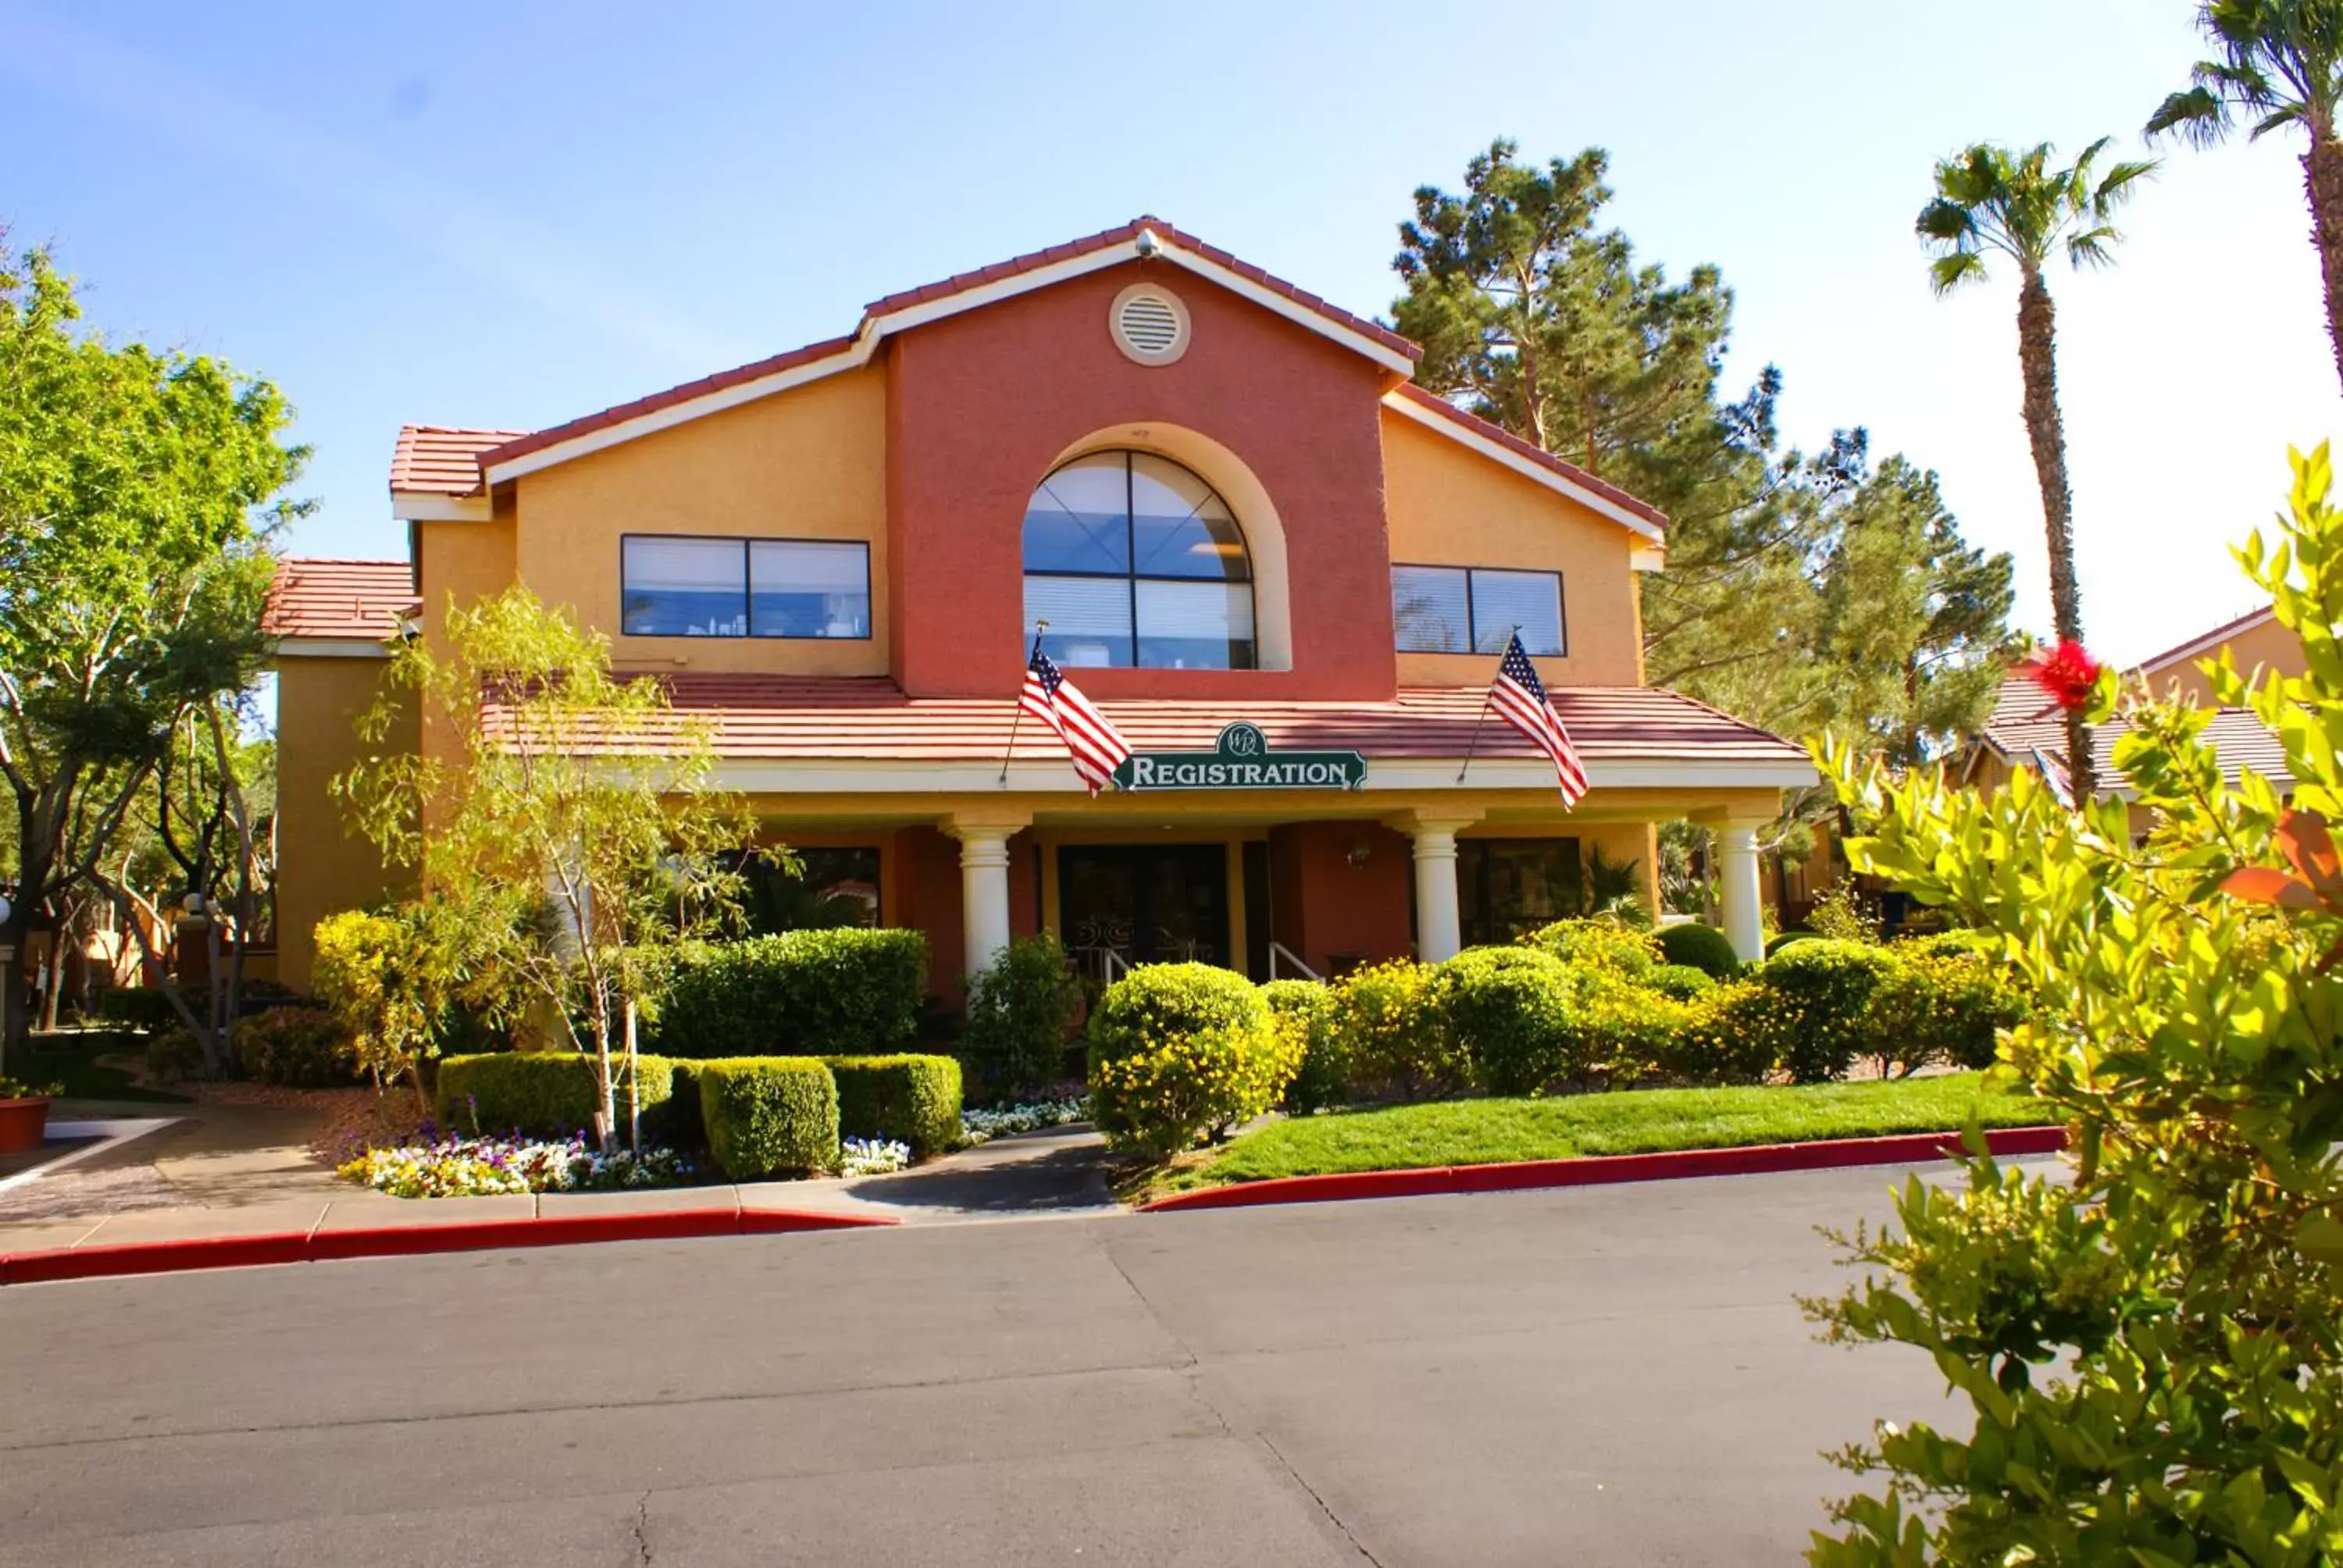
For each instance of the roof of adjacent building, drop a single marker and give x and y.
(434, 460)
(340, 600)
(2205, 642)
(859, 719)
(2025, 719)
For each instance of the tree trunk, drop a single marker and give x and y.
(2322, 180)
(2038, 359)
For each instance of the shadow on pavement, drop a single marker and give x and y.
(1037, 1174)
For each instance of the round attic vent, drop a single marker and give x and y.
(1149, 324)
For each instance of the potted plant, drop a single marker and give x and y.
(24, 1113)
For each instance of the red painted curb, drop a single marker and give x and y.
(411, 1240)
(1824, 1154)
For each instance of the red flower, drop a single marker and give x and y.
(2066, 672)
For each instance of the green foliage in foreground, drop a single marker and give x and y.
(1635, 1121)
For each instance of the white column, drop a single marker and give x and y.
(1737, 853)
(984, 892)
(1438, 928)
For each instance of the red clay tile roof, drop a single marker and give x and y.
(441, 460)
(517, 444)
(2239, 740)
(1513, 443)
(784, 717)
(343, 600)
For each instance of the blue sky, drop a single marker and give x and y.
(509, 215)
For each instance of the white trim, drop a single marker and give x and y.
(1647, 558)
(2206, 643)
(331, 648)
(427, 507)
(830, 775)
(1399, 402)
(874, 328)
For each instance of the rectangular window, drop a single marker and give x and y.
(1472, 609)
(1508, 885)
(677, 587)
(833, 887)
(1089, 618)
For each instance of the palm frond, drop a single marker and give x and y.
(1947, 273)
(2091, 247)
(2293, 113)
(2199, 116)
(2117, 188)
(1946, 221)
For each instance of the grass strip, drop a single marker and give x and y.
(1633, 1121)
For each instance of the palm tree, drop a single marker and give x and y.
(2280, 63)
(1989, 199)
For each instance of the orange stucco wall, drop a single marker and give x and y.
(2268, 644)
(323, 867)
(981, 406)
(1450, 507)
(804, 464)
(1326, 908)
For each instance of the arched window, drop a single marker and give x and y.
(1135, 561)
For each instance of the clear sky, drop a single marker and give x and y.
(509, 215)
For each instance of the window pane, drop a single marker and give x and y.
(1180, 527)
(1195, 626)
(1501, 600)
(1428, 609)
(1075, 521)
(682, 587)
(1510, 886)
(801, 589)
(1089, 618)
(835, 887)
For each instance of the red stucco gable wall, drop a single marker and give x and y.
(981, 405)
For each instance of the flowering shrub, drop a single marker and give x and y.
(1939, 1002)
(1306, 1008)
(1513, 1013)
(1680, 981)
(1823, 989)
(1626, 1033)
(17, 1088)
(872, 1156)
(1388, 1027)
(1178, 1051)
(1600, 944)
(456, 1167)
(2066, 674)
(1001, 1120)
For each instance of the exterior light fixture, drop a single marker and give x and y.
(1359, 852)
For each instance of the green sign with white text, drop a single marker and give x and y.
(1241, 759)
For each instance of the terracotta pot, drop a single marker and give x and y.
(23, 1123)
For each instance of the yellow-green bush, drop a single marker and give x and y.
(1513, 1013)
(1940, 1000)
(1179, 1051)
(769, 1115)
(1731, 1034)
(1306, 1008)
(1626, 1032)
(1388, 1023)
(1599, 944)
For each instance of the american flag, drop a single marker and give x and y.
(1519, 697)
(1095, 746)
(2053, 773)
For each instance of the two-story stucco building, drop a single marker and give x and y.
(1231, 506)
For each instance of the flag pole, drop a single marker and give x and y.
(1475, 744)
(1018, 713)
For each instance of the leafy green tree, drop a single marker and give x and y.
(2278, 63)
(1990, 199)
(137, 491)
(2150, 1351)
(574, 809)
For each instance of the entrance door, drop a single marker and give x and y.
(1144, 904)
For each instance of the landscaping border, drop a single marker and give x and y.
(409, 1240)
(1750, 1160)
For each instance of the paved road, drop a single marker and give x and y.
(1611, 1375)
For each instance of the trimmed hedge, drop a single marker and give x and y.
(1514, 1013)
(844, 991)
(914, 1098)
(769, 1115)
(1306, 1009)
(1824, 988)
(550, 1093)
(1704, 948)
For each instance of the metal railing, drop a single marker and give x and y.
(1278, 951)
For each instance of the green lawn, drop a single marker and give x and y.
(1636, 1121)
(69, 1057)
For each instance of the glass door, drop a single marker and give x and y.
(1120, 905)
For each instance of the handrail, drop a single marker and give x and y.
(1277, 950)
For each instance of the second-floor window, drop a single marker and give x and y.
(1135, 561)
(671, 586)
(1472, 609)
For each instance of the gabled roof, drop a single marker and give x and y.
(349, 604)
(2025, 721)
(441, 471)
(2205, 643)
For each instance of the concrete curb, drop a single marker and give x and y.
(1902, 1149)
(409, 1240)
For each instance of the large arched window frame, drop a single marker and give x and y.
(1136, 561)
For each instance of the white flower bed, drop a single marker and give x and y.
(871, 1157)
(471, 1167)
(978, 1126)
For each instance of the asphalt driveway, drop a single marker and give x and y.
(1601, 1375)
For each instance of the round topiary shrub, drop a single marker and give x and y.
(1390, 1031)
(1704, 948)
(1514, 1013)
(1776, 942)
(1680, 981)
(1941, 1001)
(1824, 987)
(1603, 945)
(1630, 1032)
(1306, 1008)
(1179, 1051)
(298, 1047)
(1731, 1034)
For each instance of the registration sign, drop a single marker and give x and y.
(1241, 759)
